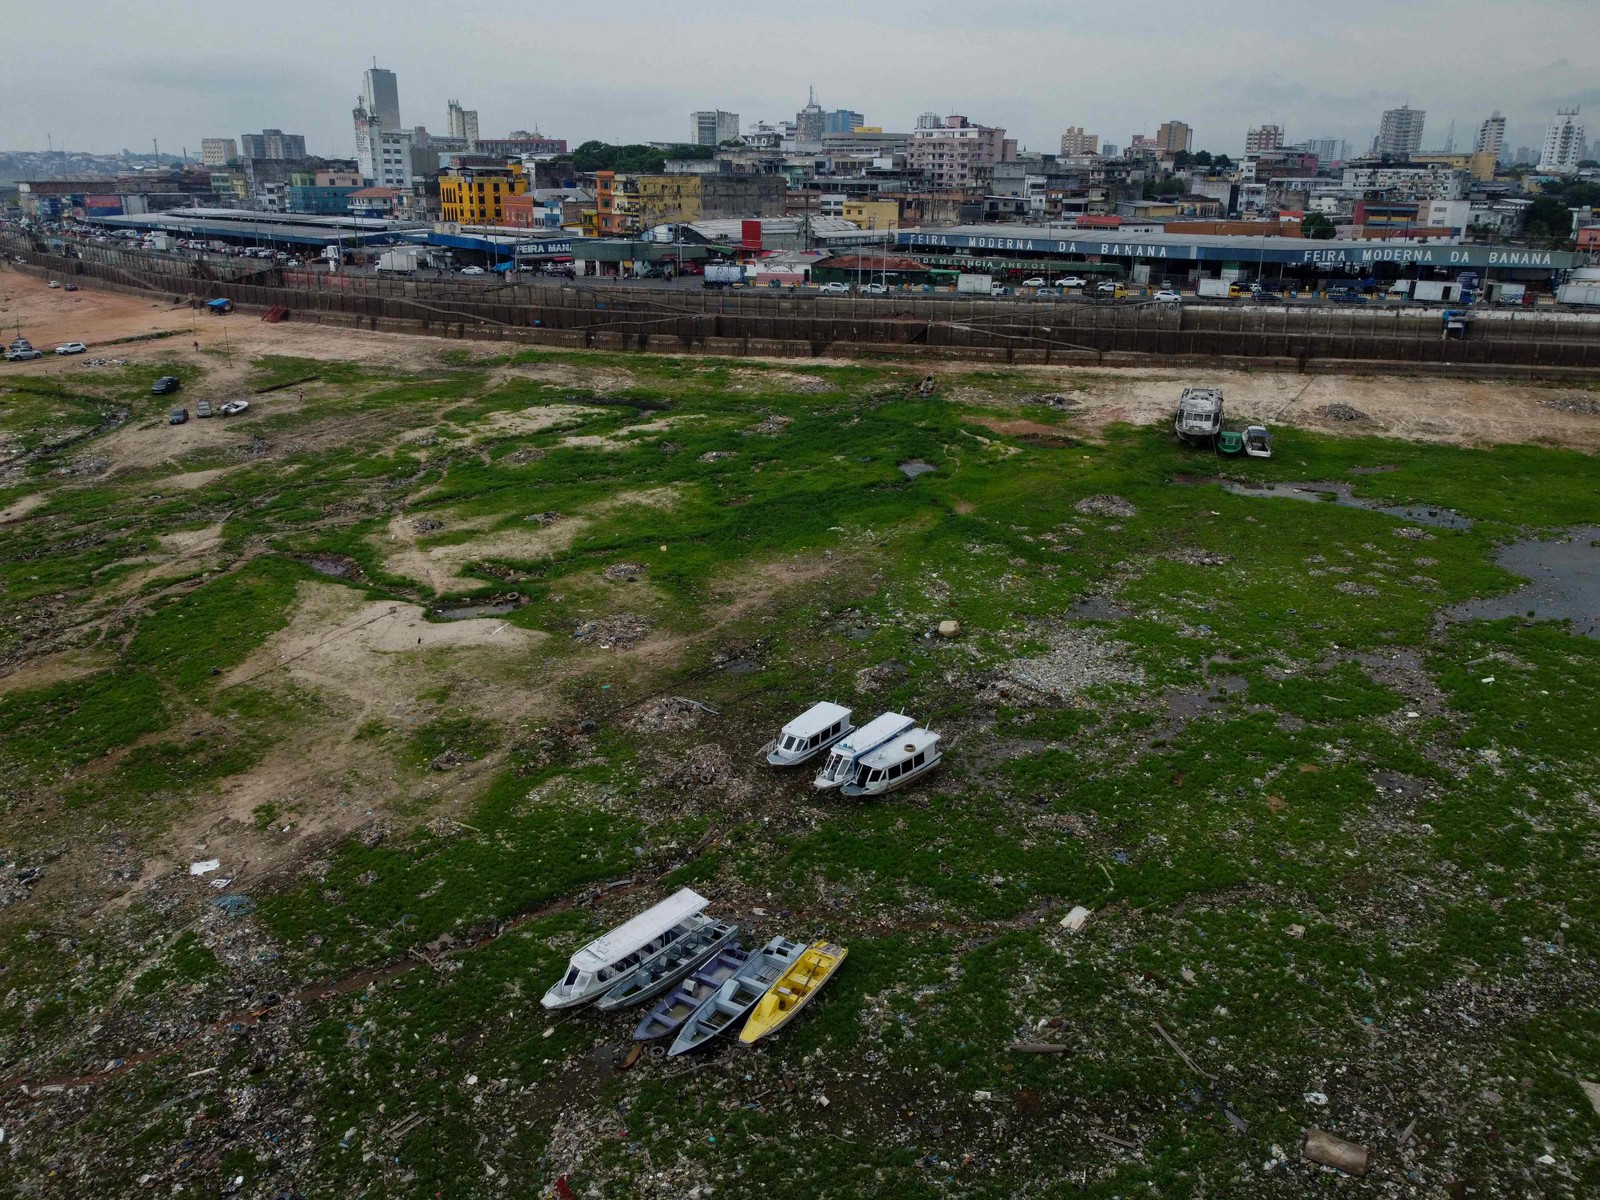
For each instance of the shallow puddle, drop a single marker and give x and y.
(1565, 583)
(466, 612)
(914, 467)
(1334, 492)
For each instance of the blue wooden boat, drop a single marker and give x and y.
(735, 998)
(670, 1014)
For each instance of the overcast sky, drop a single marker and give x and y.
(101, 76)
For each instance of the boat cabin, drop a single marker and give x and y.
(1199, 414)
(599, 965)
(840, 768)
(1258, 442)
(894, 764)
(812, 732)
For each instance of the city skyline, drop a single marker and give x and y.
(179, 92)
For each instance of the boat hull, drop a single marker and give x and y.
(667, 1017)
(667, 970)
(731, 1004)
(890, 785)
(781, 758)
(796, 989)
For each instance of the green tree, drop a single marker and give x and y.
(1317, 226)
(1181, 159)
(1589, 164)
(1202, 158)
(1222, 162)
(1549, 217)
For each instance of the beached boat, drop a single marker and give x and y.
(1199, 417)
(840, 768)
(894, 764)
(668, 1016)
(667, 969)
(793, 991)
(729, 1005)
(597, 968)
(809, 734)
(1258, 441)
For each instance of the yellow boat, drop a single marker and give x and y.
(794, 988)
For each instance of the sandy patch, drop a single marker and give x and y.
(782, 381)
(21, 508)
(191, 542)
(190, 480)
(52, 668)
(593, 379)
(440, 567)
(623, 438)
(532, 420)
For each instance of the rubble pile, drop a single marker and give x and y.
(1341, 412)
(1079, 658)
(623, 572)
(624, 629)
(1105, 506)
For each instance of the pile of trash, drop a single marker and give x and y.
(1105, 506)
(543, 518)
(1341, 412)
(624, 629)
(427, 525)
(1055, 400)
(521, 458)
(771, 427)
(711, 456)
(1078, 658)
(703, 767)
(1585, 405)
(667, 713)
(624, 572)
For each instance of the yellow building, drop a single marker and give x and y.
(1480, 165)
(873, 214)
(476, 195)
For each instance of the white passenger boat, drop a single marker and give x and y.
(610, 958)
(841, 765)
(1199, 418)
(809, 734)
(894, 764)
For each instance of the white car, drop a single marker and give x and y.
(472, 270)
(836, 289)
(1072, 281)
(1034, 282)
(875, 289)
(1167, 296)
(71, 348)
(55, 283)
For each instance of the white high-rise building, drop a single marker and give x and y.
(929, 120)
(218, 152)
(713, 127)
(1400, 133)
(1491, 136)
(1075, 142)
(461, 122)
(380, 96)
(1563, 144)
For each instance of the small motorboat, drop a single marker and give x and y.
(793, 991)
(599, 966)
(840, 768)
(1199, 418)
(650, 979)
(730, 1004)
(668, 1016)
(895, 763)
(1258, 441)
(809, 734)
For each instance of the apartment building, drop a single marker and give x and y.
(1263, 138)
(1564, 146)
(218, 152)
(950, 154)
(1075, 142)
(476, 195)
(1173, 137)
(1400, 132)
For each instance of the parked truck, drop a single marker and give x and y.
(1585, 295)
(974, 284)
(723, 274)
(1219, 289)
(1436, 291)
(404, 259)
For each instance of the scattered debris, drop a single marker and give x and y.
(870, 679)
(623, 629)
(1319, 1146)
(624, 572)
(1105, 506)
(913, 467)
(771, 427)
(1341, 412)
(204, 866)
(1320, 1099)
(425, 525)
(711, 456)
(543, 518)
(1188, 1062)
(1039, 1048)
(1585, 405)
(666, 713)
(1412, 534)
(1076, 919)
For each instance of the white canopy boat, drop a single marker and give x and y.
(841, 765)
(809, 734)
(604, 962)
(894, 764)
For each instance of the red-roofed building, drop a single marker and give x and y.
(377, 202)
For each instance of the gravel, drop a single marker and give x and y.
(1586, 405)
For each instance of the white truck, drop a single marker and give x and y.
(1215, 288)
(1584, 294)
(403, 259)
(723, 274)
(974, 284)
(1435, 291)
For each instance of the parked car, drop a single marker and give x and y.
(203, 409)
(55, 283)
(234, 407)
(1167, 296)
(1071, 281)
(164, 386)
(836, 289)
(1036, 281)
(71, 287)
(998, 289)
(177, 416)
(1346, 296)
(23, 355)
(874, 289)
(472, 270)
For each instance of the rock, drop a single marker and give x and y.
(949, 629)
(1319, 1146)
